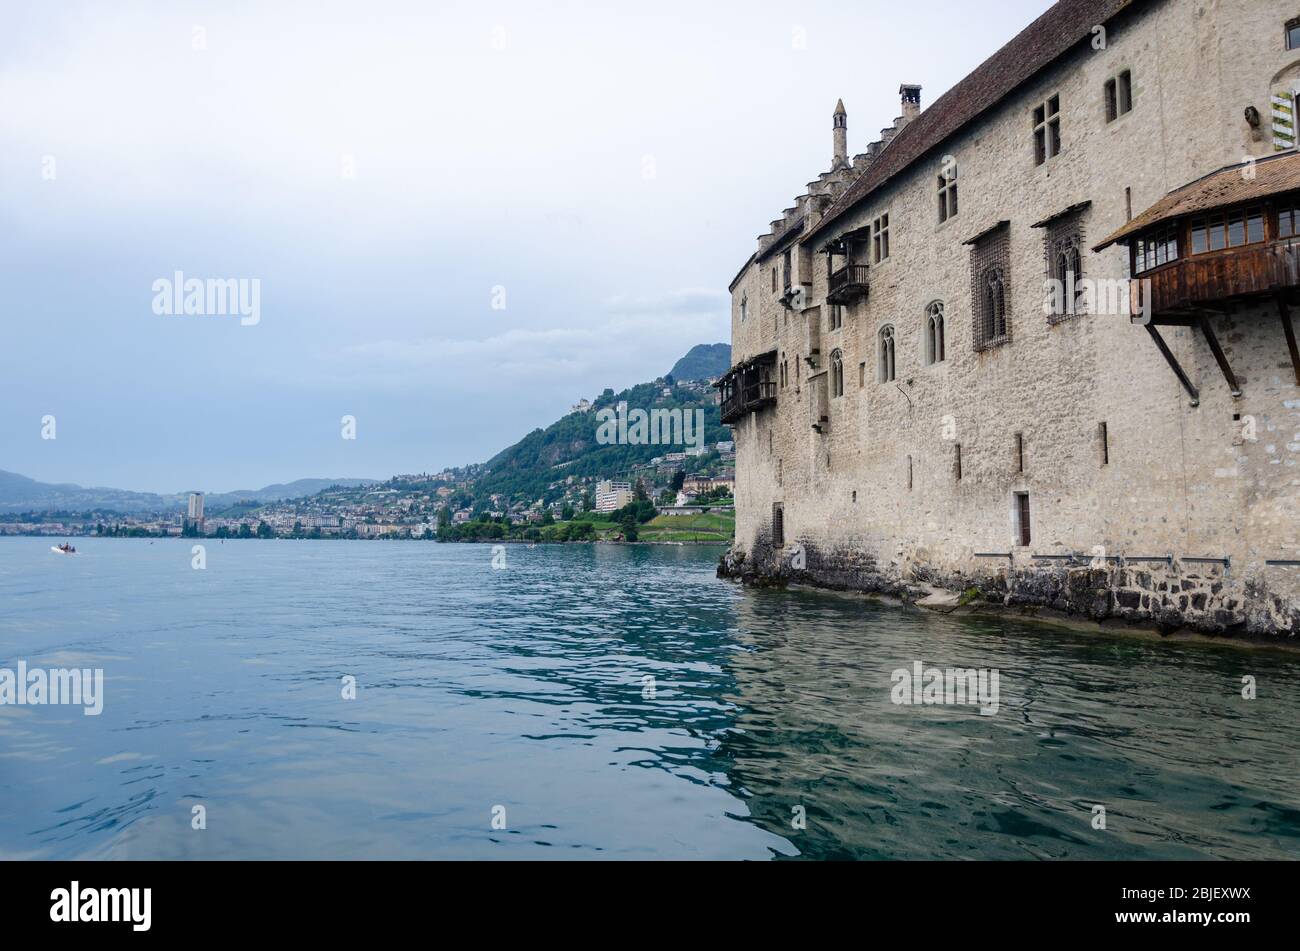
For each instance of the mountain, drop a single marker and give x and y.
(704, 361)
(569, 447)
(21, 494)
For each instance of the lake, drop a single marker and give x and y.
(601, 701)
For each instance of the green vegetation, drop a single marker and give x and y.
(704, 361)
(568, 446)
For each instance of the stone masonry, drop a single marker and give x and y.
(913, 483)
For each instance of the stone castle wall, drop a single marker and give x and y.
(874, 501)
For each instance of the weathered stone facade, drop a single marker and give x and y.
(912, 483)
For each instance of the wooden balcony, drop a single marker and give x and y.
(1209, 281)
(748, 387)
(748, 399)
(847, 284)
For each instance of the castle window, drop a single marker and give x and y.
(1023, 536)
(1020, 452)
(836, 318)
(1161, 246)
(1293, 34)
(909, 473)
(744, 308)
(778, 524)
(1103, 437)
(1047, 130)
(934, 343)
(886, 359)
(947, 191)
(880, 239)
(862, 374)
(837, 373)
(773, 277)
(956, 461)
(990, 301)
(1119, 95)
(1064, 267)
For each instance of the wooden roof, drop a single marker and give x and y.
(1234, 185)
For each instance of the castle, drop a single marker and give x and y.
(1035, 345)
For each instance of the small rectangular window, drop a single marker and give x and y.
(1022, 519)
(880, 239)
(909, 473)
(1103, 437)
(1112, 101)
(1047, 130)
(1125, 83)
(956, 461)
(1020, 452)
(778, 524)
(1293, 34)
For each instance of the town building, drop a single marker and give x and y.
(611, 496)
(1078, 386)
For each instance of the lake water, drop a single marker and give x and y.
(521, 693)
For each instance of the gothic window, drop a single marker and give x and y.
(886, 374)
(837, 373)
(836, 317)
(1063, 250)
(934, 341)
(990, 289)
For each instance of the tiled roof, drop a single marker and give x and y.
(1066, 24)
(1234, 185)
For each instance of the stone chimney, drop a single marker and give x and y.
(911, 101)
(840, 127)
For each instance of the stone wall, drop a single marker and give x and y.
(874, 499)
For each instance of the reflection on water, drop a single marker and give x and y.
(527, 688)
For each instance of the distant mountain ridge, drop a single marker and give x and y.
(704, 361)
(18, 493)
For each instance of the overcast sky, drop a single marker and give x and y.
(382, 168)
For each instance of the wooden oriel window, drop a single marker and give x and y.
(1288, 219)
(1230, 229)
(1155, 248)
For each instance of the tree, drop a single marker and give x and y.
(264, 530)
(566, 513)
(679, 480)
(628, 524)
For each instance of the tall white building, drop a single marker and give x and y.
(612, 495)
(195, 513)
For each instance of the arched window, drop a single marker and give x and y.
(837, 373)
(886, 353)
(1069, 274)
(995, 304)
(934, 342)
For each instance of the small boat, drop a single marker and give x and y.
(64, 549)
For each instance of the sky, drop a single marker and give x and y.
(461, 217)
